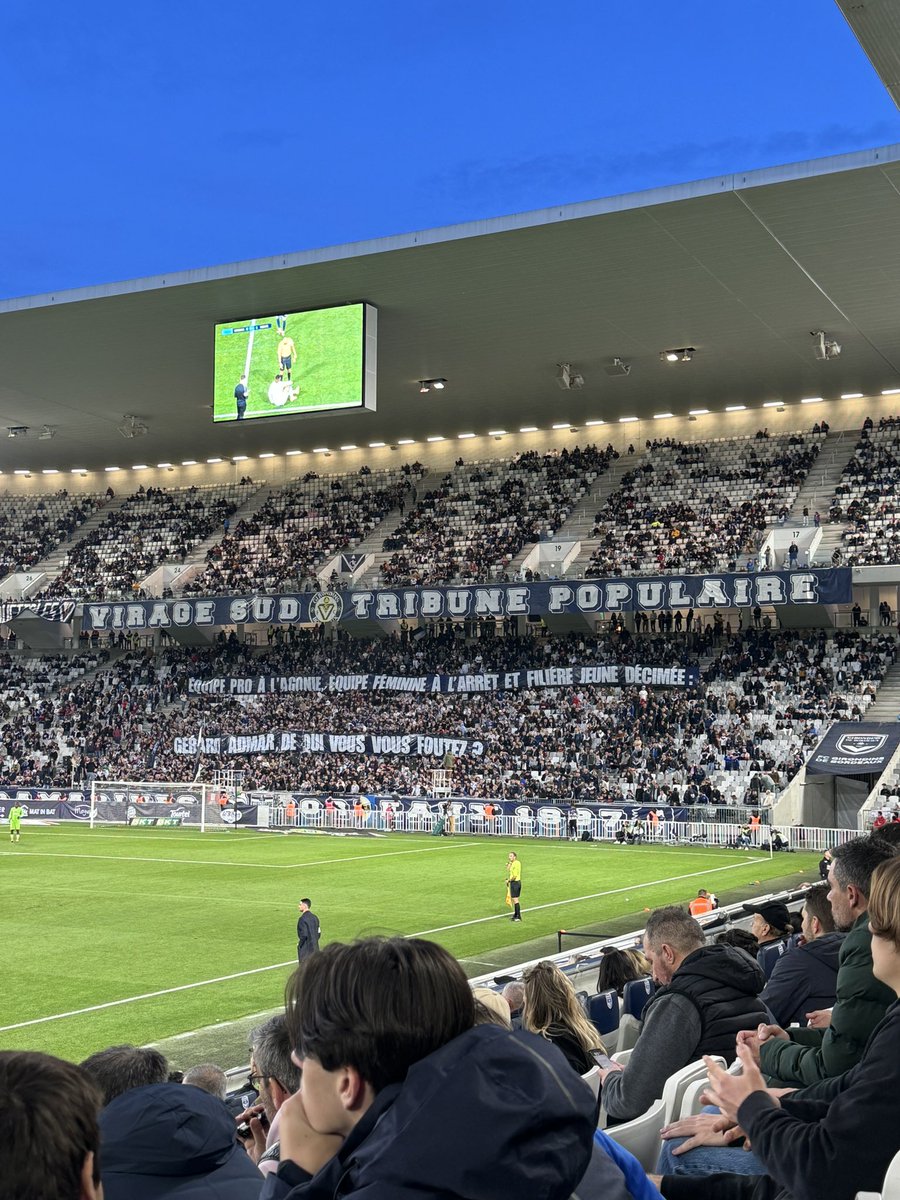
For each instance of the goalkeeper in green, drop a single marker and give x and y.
(15, 822)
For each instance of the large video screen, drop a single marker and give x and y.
(318, 361)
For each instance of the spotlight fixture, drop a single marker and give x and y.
(826, 347)
(131, 427)
(569, 378)
(47, 432)
(618, 366)
(679, 354)
(428, 385)
(16, 431)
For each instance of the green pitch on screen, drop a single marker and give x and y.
(327, 370)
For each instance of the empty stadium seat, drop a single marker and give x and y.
(642, 1135)
(676, 1086)
(635, 995)
(603, 1010)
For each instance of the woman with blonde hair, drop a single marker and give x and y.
(552, 1009)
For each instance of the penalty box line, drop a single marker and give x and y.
(186, 987)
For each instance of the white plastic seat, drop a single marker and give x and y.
(677, 1084)
(642, 1135)
(592, 1079)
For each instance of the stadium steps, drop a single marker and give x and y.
(55, 561)
(195, 562)
(887, 699)
(818, 487)
(387, 526)
(579, 524)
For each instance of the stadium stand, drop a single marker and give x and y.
(153, 526)
(299, 526)
(32, 526)
(482, 514)
(866, 496)
(700, 506)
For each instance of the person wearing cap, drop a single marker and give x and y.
(771, 922)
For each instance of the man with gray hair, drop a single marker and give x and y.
(514, 995)
(707, 995)
(209, 1078)
(276, 1077)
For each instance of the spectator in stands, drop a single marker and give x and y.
(514, 995)
(742, 938)
(834, 1139)
(805, 978)
(208, 1078)
(616, 969)
(48, 1129)
(402, 1095)
(120, 1068)
(552, 1010)
(491, 1008)
(167, 1140)
(833, 1044)
(771, 922)
(707, 995)
(276, 1077)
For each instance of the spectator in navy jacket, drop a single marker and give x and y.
(804, 980)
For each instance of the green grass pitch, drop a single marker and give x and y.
(95, 916)
(327, 369)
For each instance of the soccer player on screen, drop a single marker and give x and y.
(281, 325)
(286, 353)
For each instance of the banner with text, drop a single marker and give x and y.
(650, 593)
(854, 748)
(612, 674)
(427, 745)
(48, 610)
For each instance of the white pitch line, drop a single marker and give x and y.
(204, 862)
(249, 351)
(186, 987)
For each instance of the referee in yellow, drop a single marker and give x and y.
(514, 883)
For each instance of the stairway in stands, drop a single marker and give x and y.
(581, 521)
(55, 560)
(818, 491)
(195, 563)
(887, 699)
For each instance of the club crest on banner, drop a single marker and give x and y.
(325, 607)
(860, 743)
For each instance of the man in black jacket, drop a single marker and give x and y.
(804, 980)
(708, 994)
(307, 930)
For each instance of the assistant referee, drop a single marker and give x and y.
(514, 883)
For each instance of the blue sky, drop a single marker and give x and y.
(142, 139)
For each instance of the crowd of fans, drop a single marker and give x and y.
(478, 519)
(386, 1090)
(281, 547)
(765, 697)
(33, 526)
(156, 525)
(696, 507)
(865, 498)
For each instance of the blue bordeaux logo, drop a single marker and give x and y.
(325, 607)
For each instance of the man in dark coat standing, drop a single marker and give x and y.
(307, 931)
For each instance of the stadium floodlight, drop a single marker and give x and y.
(50, 471)
(406, 441)
(561, 425)
(496, 433)
(679, 354)
(79, 470)
(662, 416)
(318, 450)
(735, 407)
(698, 412)
(234, 458)
(596, 421)
(428, 385)
(16, 431)
(189, 462)
(811, 400)
(569, 378)
(21, 471)
(528, 429)
(164, 466)
(462, 436)
(289, 453)
(626, 420)
(268, 454)
(773, 403)
(852, 395)
(139, 467)
(47, 432)
(376, 445)
(349, 446)
(435, 437)
(826, 347)
(890, 391)
(131, 427)
(213, 460)
(112, 468)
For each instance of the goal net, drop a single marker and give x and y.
(130, 802)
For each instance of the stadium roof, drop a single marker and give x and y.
(876, 24)
(742, 268)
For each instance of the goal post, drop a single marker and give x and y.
(132, 802)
